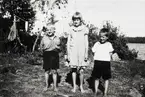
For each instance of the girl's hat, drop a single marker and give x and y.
(77, 15)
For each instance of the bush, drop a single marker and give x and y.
(121, 48)
(119, 43)
(92, 38)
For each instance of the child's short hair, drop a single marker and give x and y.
(49, 28)
(77, 15)
(105, 30)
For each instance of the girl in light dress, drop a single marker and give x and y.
(77, 50)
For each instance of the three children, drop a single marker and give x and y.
(77, 54)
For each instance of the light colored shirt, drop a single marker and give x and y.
(50, 43)
(102, 51)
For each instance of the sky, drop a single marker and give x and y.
(128, 15)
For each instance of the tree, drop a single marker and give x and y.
(21, 8)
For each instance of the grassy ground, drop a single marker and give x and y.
(23, 76)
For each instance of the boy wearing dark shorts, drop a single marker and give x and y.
(50, 45)
(102, 55)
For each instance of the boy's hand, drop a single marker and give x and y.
(68, 58)
(111, 55)
(39, 49)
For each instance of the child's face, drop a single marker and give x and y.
(103, 37)
(76, 22)
(50, 32)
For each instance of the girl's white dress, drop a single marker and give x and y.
(77, 45)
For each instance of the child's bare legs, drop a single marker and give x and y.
(46, 79)
(74, 82)
(54, 80)
(81, 80)
(96, 85)
(106, 87)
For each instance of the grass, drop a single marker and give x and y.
(23, 76)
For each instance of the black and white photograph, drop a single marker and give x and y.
(72, 48)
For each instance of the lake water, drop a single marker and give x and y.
(140, 48)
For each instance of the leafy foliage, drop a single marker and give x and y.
(92, 38)
(21, 8)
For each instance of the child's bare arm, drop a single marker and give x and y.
(111, 55)
(41, 45)
(86, 47)
(94, 48)
(68, 47)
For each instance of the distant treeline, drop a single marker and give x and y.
(135, 39)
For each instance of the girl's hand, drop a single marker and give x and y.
(86, 58)
(68, 58)
(65, 57)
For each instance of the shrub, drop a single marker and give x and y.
(92, 38)
(119, 43)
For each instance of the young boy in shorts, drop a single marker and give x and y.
(50, 45)
(102, 56)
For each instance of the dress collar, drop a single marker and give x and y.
(78, 29)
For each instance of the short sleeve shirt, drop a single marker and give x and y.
(49, 44)
(102, 51)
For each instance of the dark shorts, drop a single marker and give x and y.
(101, 69)
(50, 60)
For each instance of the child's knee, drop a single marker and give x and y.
(81, 71)
(47, 71)
(54, 71)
